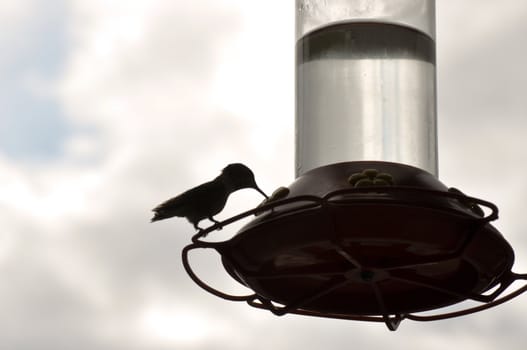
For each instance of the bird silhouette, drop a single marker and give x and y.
(208, 199)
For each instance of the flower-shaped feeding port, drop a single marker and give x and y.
(383, 250)
(370, 177)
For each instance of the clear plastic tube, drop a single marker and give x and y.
(365, 82)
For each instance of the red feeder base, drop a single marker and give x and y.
(371, 241)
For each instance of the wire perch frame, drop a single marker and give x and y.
(392, 321)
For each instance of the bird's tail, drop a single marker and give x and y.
(159, 215)
(165, 210)
(155, 218)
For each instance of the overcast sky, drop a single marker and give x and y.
(109, 107)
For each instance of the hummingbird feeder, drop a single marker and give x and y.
(366, 232)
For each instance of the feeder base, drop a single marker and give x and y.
(385, 238)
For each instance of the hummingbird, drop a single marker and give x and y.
(208, 199)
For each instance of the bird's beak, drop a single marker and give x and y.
(262, 192)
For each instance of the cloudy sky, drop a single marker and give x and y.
(108, 107)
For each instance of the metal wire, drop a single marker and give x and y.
(391, 321)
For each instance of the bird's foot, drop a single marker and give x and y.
(219, 226)
(200, 231)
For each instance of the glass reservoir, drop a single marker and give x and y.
(365, 82)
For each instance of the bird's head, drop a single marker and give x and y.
(237, 176)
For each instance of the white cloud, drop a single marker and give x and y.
(12, 13)
(172, 92)
(179, 324)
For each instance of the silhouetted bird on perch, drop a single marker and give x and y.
(208, 199)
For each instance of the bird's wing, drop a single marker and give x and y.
(195, 204)
(179, 205)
